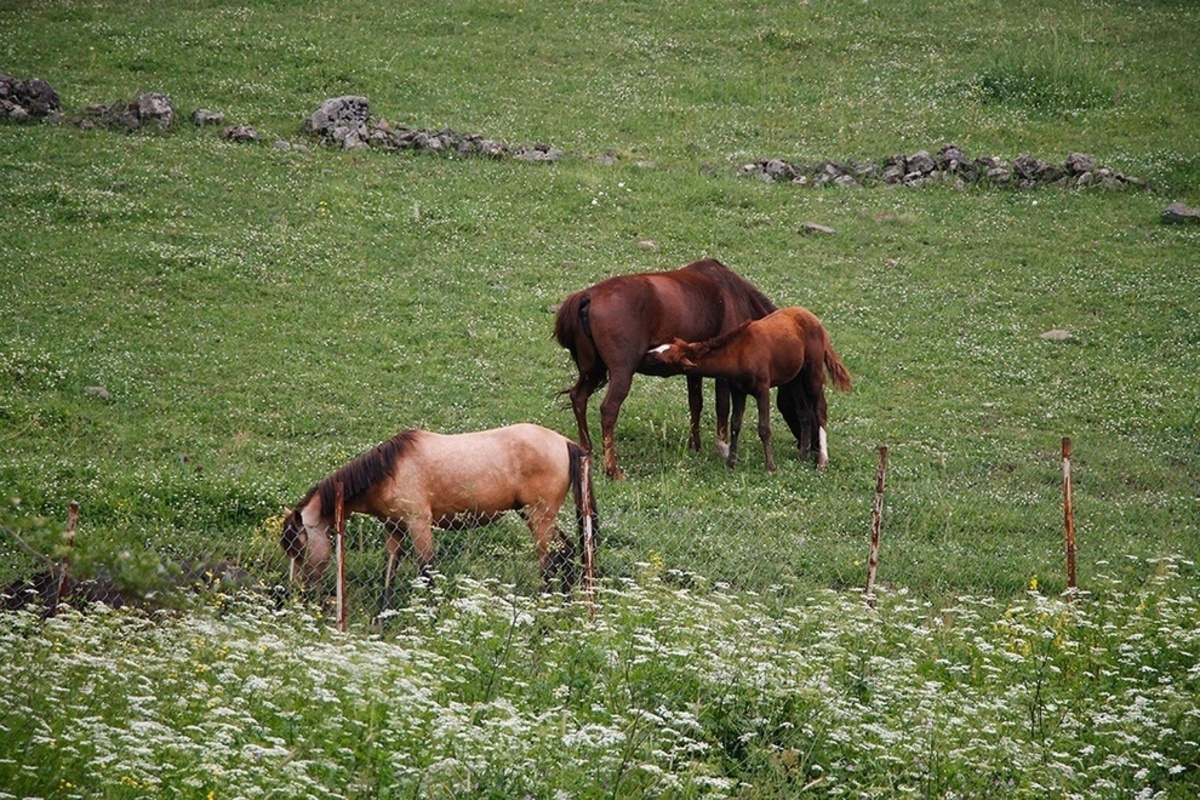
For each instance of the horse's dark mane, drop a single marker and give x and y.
(737, 286)
(363, 472)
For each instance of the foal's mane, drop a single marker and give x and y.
(363, 472)
(701, 349)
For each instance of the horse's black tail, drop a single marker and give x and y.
(573, 330)
(571, 321)
(587, 517)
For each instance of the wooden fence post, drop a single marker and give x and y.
(339, 524)
(589, 536)
(876, 521)
(64, 569)
(1068, 514)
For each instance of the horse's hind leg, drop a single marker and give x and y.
(395, 542)
(555, 552)
(562, 563)
(820, 421)
(796, 412)
(764, 426)
(695, 409)
(580, 393)
(610, 407)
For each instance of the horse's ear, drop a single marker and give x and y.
(287, 512)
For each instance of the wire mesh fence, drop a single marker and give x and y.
(745, 548)
(759, 549)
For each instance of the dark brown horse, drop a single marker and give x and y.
(609, 327)
(787, 347)
(417, 481)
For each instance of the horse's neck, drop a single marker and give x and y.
(720, 361)
(314, 518)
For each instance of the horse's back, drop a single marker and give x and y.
(630, 313)
(483, 471)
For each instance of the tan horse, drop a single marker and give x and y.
(789, 346)
(418, 480)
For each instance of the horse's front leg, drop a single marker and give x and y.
(721, 395)
(695, 389)
(735, 425)
(763, 396)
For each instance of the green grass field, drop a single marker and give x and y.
(194, 331)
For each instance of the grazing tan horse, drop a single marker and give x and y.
(418, 480)
(788, 346)
(609, 326)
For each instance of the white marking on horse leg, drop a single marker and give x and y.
(723, 449)
(823, 456)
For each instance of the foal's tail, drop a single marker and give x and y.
(586, 514)
(837, 371)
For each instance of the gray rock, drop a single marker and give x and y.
(921, 162)
(36, 96)
(240, 133)
(157, 108)
(348, 111)
(817, 229)
(202, 116)
(1079, 163)
(1178, 213)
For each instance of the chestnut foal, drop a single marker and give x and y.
(787, 347)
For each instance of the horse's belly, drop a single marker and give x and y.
(466, 519)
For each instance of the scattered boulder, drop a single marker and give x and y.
(239, 133)
(346, 122)
(341, 120)
(1057, 335)
(202, 117)
(949, 165)
(130, 115)
(1178, 213)
(25, 100)
(156, 108)
(817, 229)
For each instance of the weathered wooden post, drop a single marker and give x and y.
(1068, 514)
(64, 569)
(589, 537)
(876, 522)
(339, 524)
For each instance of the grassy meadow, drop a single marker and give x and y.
(193, 331)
